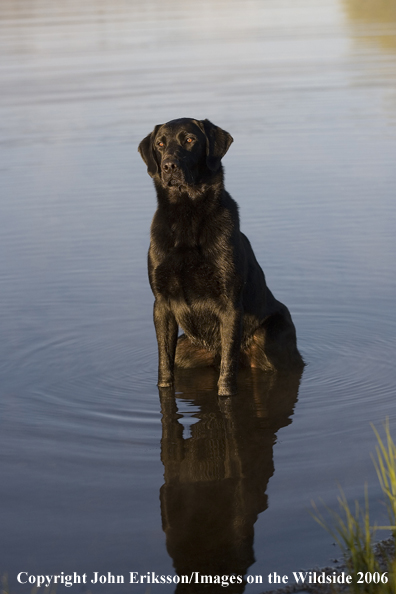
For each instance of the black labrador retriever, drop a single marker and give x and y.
(202, 269)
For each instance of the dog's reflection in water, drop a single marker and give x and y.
(216, 478)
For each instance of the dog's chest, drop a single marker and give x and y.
(186, 274)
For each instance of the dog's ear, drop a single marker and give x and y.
(218, 142)
(146, 150)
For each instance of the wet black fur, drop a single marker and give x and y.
(202, 269)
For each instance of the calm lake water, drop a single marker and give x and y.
(97, 472)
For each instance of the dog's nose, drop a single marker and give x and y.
(170, 165)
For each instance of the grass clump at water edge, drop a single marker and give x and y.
(371, 565)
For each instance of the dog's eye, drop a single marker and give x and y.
(160, 143)
(189, 139)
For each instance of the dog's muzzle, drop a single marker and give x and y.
(171, 172)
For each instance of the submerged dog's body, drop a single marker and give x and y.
(202, 269)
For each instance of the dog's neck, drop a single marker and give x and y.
(182, 215)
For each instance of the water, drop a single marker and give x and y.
(98, 473)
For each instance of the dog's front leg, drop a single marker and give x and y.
(231, 333)
(166, 329)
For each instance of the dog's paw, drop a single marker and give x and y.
(165, 383)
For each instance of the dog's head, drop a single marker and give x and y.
(184, 152)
